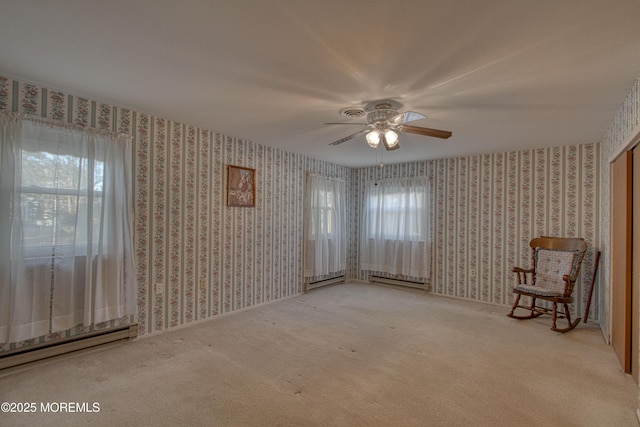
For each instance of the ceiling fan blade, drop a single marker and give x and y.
(437, 133)
(406, 117)
(347, 138)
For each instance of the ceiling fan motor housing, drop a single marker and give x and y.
(381, 116)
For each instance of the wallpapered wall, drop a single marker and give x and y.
(623, 132)
(205, 258)
(487, 208)
(208, 259)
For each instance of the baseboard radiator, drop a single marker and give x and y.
(320, 283)
(44, 351)
(398, 282)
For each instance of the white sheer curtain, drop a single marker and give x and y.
(66, 237)
(325, 226)
(395, 235)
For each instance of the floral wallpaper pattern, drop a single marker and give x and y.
(486, 209)
(198, 258)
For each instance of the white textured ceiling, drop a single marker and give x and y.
(501, 75)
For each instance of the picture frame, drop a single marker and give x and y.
(241, 187)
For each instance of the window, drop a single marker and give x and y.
(58, 208)
(395, 227)
(325, 226)
(66, 241)
(400, 215)
(323, 222)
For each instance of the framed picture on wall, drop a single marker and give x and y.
(241, 186)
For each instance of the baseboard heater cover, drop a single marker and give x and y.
(398, 282)
(48, 350)
(319, 283)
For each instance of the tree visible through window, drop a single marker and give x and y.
(66, 239)
(55, 199)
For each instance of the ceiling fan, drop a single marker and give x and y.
(383, 120)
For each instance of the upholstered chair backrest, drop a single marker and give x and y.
(555, 257)
(552, 265)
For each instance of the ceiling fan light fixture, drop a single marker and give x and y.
(391, 137)
(373, 138)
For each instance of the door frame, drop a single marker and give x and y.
(621, 169)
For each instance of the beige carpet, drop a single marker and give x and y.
(346, 355)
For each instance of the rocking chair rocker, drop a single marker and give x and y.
(556, 263)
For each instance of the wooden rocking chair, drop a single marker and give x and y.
(556, 263)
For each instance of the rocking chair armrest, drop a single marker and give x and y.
(521, 273)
